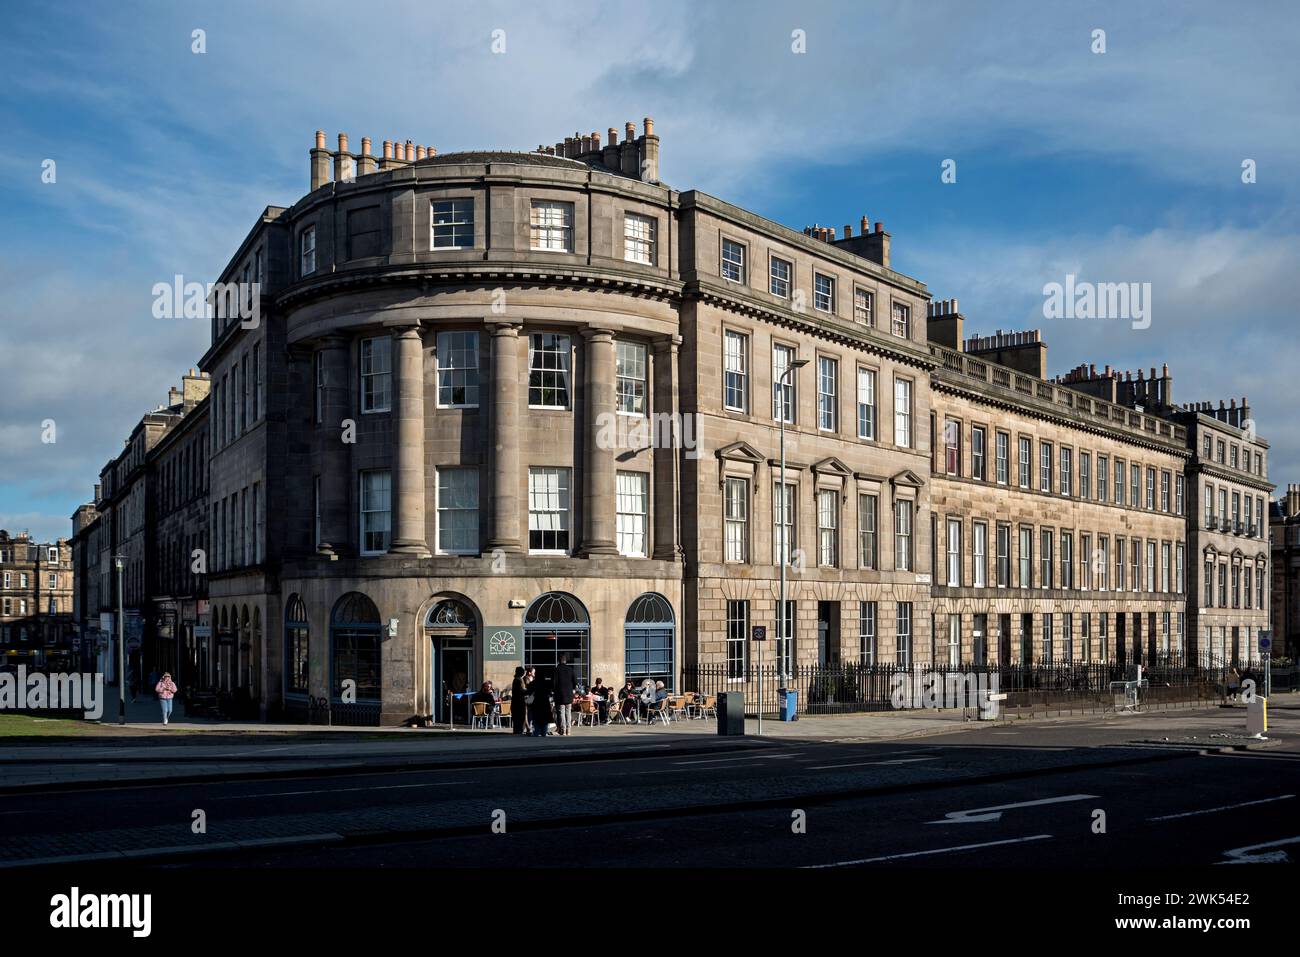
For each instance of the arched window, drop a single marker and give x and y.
(649, 634)
(355, 646)
(556, 624)
(297, 647)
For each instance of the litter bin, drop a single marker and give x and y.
(787, 704)
(731, 713)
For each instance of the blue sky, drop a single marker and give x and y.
(1123, 166)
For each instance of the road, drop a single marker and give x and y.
(1083, 792)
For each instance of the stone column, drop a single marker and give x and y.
(598, 468)
(667, 497)
(506, 507)
(335, 459)
(408, 442)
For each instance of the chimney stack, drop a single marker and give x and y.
(366, 162)
(649, 166)
(320, 162)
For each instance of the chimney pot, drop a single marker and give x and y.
(880, 227)
(866, 226)
(629, 131)
(848, 230)
(320, 139)
(343, 142)
(954, 306)
(649, 126)
(830, 234)
(419, 152)
(388, 149)
(613, 136)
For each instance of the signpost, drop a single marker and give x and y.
(760, 634)
(1265, 649)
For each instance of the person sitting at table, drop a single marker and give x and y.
(600, 691)
(484, 695)
(627, 699)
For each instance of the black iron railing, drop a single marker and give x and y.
(853, 687)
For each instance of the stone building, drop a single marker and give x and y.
(36, 589)
(178, 616)
(476, 409)
(1059, 513)
(1227, 529)
(1285, 534)
(133, 519)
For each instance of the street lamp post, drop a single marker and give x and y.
(121, 646)
(785, 519)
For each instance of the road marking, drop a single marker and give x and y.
(938, 850)
(378, 787)
(995, 813)
(1226, 807)
(747, 757)
(1243, 855)
(863, 764)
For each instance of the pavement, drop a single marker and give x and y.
(146, 752)
(221, 751)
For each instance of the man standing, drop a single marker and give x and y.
(562, 684)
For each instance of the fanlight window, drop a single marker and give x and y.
(650, 609)
(355, 608)
(451, 613)
(555, 608)
(296, 613)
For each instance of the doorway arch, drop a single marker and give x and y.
(452, 626)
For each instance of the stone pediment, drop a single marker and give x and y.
(740, 452)
(831, 466)
(906, 479)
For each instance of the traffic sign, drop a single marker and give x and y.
(1265, 640)
(760, 632)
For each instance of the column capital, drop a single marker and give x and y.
(598, 334)
(504, 327)
(669, 343)
(403, 328)
(332, 340)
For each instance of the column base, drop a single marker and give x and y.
(410, 547)
(326, 550)
(509, 546)
(671, 554)
(590, 549)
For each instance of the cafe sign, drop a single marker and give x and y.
(504, 642)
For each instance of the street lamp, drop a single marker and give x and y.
(785, 519)
(119, 563)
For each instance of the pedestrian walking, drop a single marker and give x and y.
(562, 684)
(518, 701)
(166, 690)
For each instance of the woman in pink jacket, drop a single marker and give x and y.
(166, 689)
